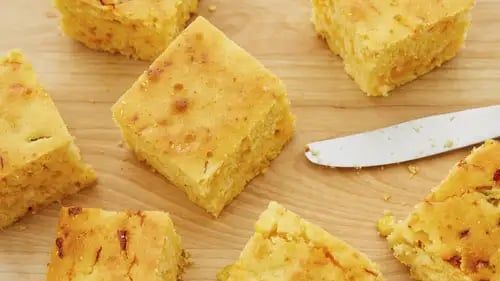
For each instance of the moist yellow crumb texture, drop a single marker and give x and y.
(206, 115)
(98, 245)
(39, 162)
(454, 234)
(385, 225)
(386, 43)
(140, 29)
(288, 248)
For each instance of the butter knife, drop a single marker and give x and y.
(409, 140)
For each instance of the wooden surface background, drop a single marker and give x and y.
(84, 84)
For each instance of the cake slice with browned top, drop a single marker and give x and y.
(286, 247)
(454, 234)
(206, 115)
(93, 244)
(387, 43)
(140, 29)
(39, 163)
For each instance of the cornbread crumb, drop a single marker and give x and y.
(188, 260)
(385, 44)
(385, 225)
(387, 197)
(208, 125)
(453, 235)
(448, 144)
(212, 8)
(94, 244)
(286, 247)
(413, 170)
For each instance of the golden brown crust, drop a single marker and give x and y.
(385, 44)
(93, 244)
(288, 248)
(458, 225)
(39, 162)
(139, 29)
(206, 123)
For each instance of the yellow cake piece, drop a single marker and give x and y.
(386, 43)
(206, 115)
(39, 163)
(286, 247)
(454, 235)
(98, 245)
(140, 29)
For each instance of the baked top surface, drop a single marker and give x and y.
(104, 245)
(30, 124)
(379, 23)
(199, 100)
(147, 11)
(460, 221)
(287, 247)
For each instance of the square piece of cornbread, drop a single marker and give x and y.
(39, 163)
(206, 115)
(286, 247)
(93, 244)
(386, 43)
(140, 29)
(454, 235)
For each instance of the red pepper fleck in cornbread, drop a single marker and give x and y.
(454, 234)
(39, 163)
(206, 115)
(386, 43)
(140, 29)
(94, 244)
(286, 247)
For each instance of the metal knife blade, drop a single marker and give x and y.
(409, 140)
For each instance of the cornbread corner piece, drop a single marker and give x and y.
(286, 247)
(93, 244)
(385, 43)
(140, 29)
(454, 234)
(206, 115)
(39, 163)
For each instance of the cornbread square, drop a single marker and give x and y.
(206, 115)
(140, 29)
(93, 244)
(454, 234)
(387, 43)
(286, 247)
(39, 163)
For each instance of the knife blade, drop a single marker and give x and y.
(409, 140)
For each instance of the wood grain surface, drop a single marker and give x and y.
(84, 84)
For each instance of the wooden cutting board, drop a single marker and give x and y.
(347, 203)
